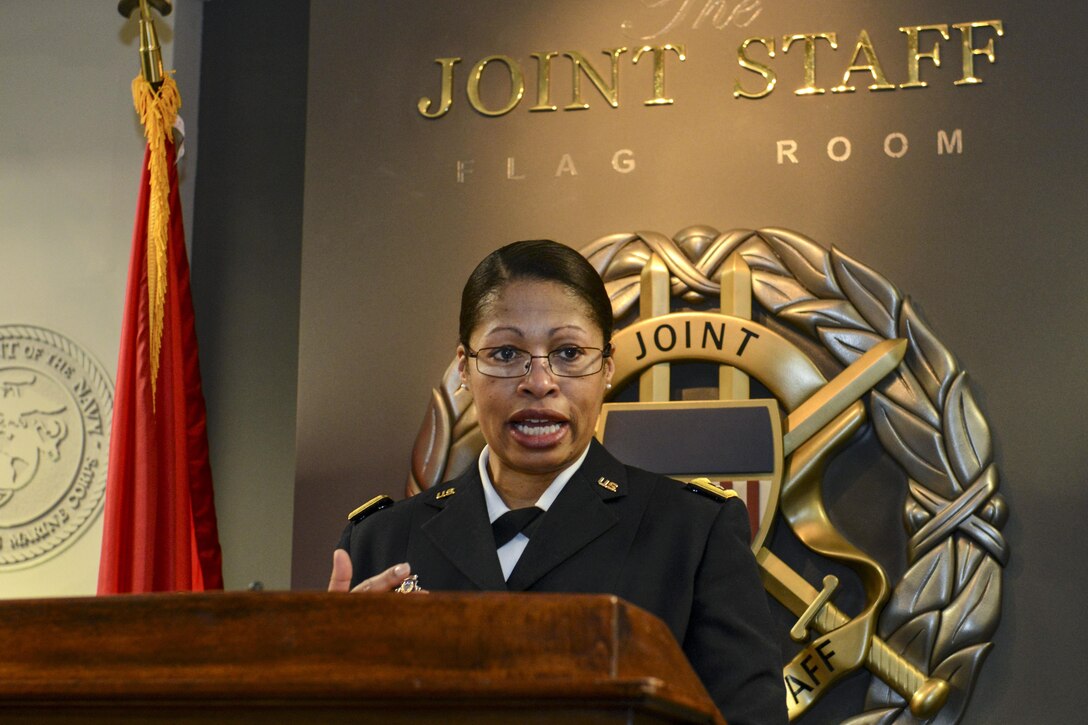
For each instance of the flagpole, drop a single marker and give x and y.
(150, 50)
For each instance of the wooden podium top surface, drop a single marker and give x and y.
(369, 651)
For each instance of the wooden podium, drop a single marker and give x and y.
(332, 658)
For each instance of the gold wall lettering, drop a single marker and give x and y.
(865, 49)
(517, 85)
(659, 98)
(864, 59)
(580, 66)
(611, 92)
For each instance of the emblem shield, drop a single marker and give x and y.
(736, 444)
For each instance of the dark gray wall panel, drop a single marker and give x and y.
(246, 254)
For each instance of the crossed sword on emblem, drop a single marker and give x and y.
(837, 402)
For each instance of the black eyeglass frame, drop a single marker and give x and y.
(606, 352)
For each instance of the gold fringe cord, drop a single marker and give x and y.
(158, 110)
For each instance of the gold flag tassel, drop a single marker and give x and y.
(158, 110)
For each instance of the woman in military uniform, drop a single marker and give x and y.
(548, 509)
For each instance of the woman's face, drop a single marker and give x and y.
(539, 423)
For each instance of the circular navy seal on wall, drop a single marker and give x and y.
(56, 403)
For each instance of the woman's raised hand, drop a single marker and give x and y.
(387, 581)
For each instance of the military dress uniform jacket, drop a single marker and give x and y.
(614, 529)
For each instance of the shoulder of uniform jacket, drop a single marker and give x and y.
(372, 506)
(704, 487)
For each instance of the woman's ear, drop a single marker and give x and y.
(462, 365)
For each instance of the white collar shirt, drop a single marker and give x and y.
(510, 552)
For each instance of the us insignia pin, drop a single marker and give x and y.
(605, 483)
(443, 494)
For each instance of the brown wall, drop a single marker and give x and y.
(988, 242)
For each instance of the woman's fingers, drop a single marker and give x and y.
(340, 580)
(387, 581)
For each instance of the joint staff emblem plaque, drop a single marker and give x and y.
(756, 359)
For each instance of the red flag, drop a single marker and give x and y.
(160, 530)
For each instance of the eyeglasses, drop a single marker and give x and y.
(569, 361)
